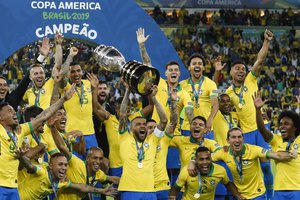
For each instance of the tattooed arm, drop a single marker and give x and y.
(46, 114)
(140, 35)
(163, 120)
(123, 120)
(66, 66)
(174, 113)
(189, 111)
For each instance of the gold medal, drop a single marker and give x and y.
(140, 165)
(197, 195)
(40, 160)
(240, 105)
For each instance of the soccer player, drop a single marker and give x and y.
(243, 161)
(43, 182)
(287, 179)
(203, 92)
(203, 186)
(12, 135)
(78, 171)
(137, 152)
(240, 93)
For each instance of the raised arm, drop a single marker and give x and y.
(123, 120)
(58, 52)
(214, 109)
(258, 103)
(140, 36)
(174, 113)
(262, 54)
(163, 120)
(46, 114)
(80, 146)
(218, 68)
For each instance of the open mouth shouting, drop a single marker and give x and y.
(39, 82)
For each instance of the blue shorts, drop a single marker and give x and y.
(115, 171)
(210, 135)
(221, 189)
(162, 195)
(286, 194)
(173, 161)
(261, 197)
(255, 138)
(90, 141)
(7, 193)
(138, 195)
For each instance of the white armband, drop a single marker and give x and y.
(41, 58)
(158, 133)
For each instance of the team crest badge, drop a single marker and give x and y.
(158, 148)
(42, 91)
(295, 146)
(245, 162)
(146, 145)
(212, 182)
(245, 89)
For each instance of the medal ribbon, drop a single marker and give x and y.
(230, 123)
(13, 138)
(196, 94)
(140, 151)
(53, 184)
(37, 96)
(240, 95)
(239, 165)
(195, 141)
(80, 95)
(289, 145)
(199, 183)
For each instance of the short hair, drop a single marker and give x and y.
(234, 129)
(293, 116)
(94, 148)
(102, 82)
(173, 62)
(238, 62)
(3, 104)
(2, 77)
(202, 149)
(55, 155)
(199, 117)
(35, 65)
(222, 95)
(32, 112)
(195, 55)
(150, 120)
(137, 117)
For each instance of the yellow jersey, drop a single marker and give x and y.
(209, 182)
(77, 173)
(221, 125)
(113, 137)
(161, 178)
(162, 96)
(246, 111)
(287, 173)
(9, 164)
(187, 147)
(42, 97)
(38, 185)
(137, 177)
(79, 107)
(205, 93)
(251, 183)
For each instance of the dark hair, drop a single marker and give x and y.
(202, 149)
(234, 129)
(222, 95)
(32, 112)
(2, 77)
(102, 82)
(173, 62)
(195, 55)
(238, 62)
(3, 104)
(294, 117)
(150, 120)
(199, 117)
(55, 155)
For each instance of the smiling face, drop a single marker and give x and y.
(76, 74)
(287, 128)
(37, 76)
(103, 92)
(95, 159)
(203, 162)
(3, 88)
(61, 116)
(225, 104)
(8, 117)
(196, 67)
(151, 126)
(236, 140)
(238, 73)
(196, 127)
(58, 166)
(139, 128)
(172, 73)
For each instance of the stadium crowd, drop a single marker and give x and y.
(67, 135)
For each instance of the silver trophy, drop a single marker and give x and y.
(138, 76)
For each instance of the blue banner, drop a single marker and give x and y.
(108, 22)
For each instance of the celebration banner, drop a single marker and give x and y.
(108, 22)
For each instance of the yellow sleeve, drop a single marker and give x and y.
(217, 155)
(225, 178)
(100, 176)
(25, 97)
(259, 151)
(274, 142)
(174, 141)
(212, 145)
(213, 90)
(182, 178)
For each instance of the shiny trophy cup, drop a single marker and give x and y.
(138, 76)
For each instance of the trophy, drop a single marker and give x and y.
(138, 76)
